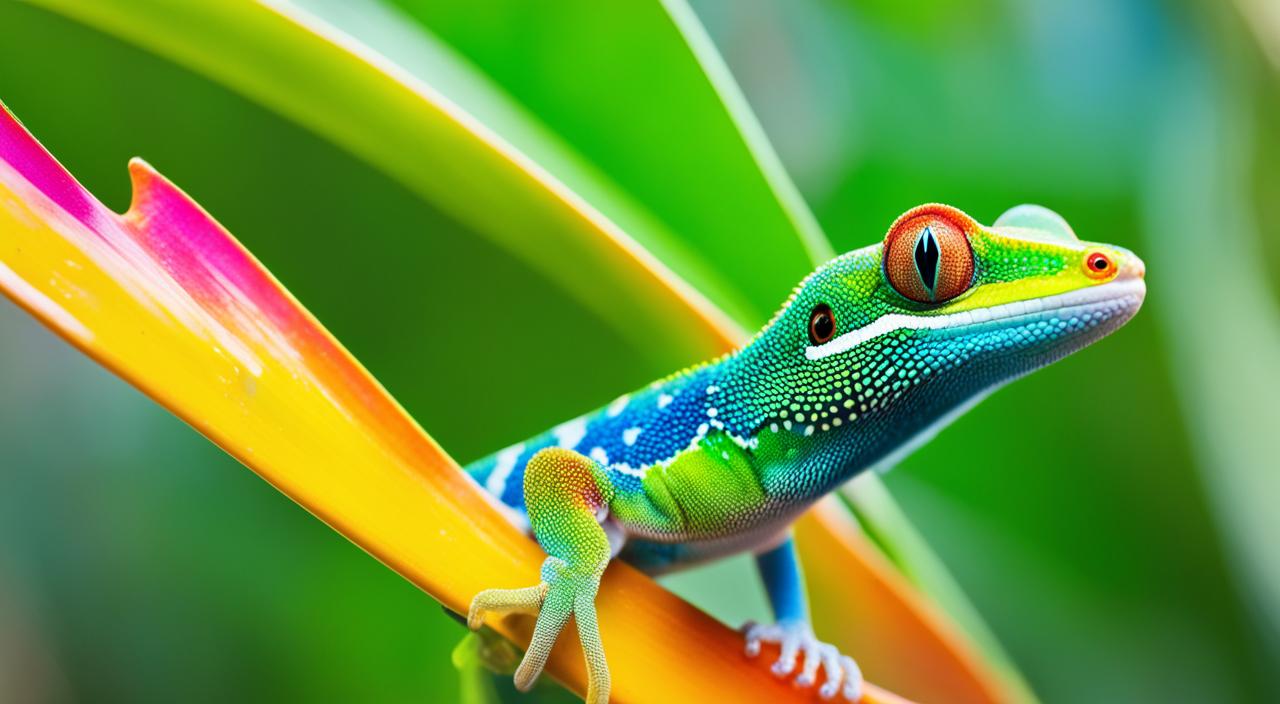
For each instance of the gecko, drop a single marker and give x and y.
(872, 354)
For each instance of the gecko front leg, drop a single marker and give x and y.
(566, 494)
(780, 569)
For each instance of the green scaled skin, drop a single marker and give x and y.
(874, 353)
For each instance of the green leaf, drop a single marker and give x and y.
(1263, 17)
(1201, 181)
(307, 70)
(638, 92)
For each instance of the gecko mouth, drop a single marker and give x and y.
(1115, 300)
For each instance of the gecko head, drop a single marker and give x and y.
(943, 310)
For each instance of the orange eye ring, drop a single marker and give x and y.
(1097, 265)
(927, 256)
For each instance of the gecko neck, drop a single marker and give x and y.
(810, 434)
(801, 447)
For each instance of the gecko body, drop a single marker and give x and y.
(873, 353)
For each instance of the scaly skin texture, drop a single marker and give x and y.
(873, 353)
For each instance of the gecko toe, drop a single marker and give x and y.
(796, 641)
(852, 679)
(753, 633)
(502, 601)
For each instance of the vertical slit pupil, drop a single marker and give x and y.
(926, 256)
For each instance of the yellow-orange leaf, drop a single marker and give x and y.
(167, 299)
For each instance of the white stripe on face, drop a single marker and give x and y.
(1049, 304)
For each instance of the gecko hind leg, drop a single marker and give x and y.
(566, 494)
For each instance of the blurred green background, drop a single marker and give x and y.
(1112, 516)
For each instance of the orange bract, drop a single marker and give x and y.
(871, 610)
(167, 299)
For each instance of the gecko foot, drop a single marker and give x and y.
(563, 592)
(796, 638)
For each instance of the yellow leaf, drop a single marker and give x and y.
(167, 299)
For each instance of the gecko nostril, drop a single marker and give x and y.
(1133, 268)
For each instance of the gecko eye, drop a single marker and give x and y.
(1098, 266)
(927, 257)
(822, 324)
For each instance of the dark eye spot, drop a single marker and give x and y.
(822, 324)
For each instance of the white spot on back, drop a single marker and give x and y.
(618, 406)
(628, 469)
(665, 400)
(570, 433)
(505, 463)
(599, 455)
(630, 434)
